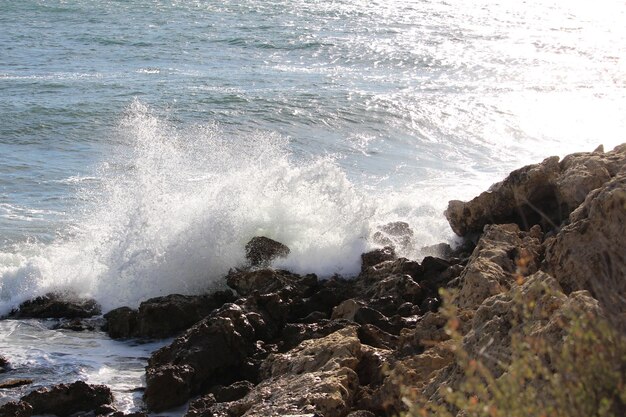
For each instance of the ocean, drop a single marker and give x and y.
(143, 143)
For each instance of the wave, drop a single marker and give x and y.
(174, 207)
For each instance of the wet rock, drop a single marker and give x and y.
(400, 266)
(164, 316)
(16, 409)
(377, 256)
(295, 333)
(56, 306)
(4, 364)
(66, 399)
(268, 280)
(167, 386)
(261, 251)
(13, 383)
(330, 294)
(76, 325)
(361, 413)
(217, 349)
(106, 409)
(588, 254)
(544, 193)
(395, 234)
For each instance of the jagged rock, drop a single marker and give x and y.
(295, 333)
(375, 337)
(395, 235)
(503, 255)
(331, 293)
(164, 316)
(400, 266)
(16, 409)
(216, 349)
(167, 386)
(269, 280)
(544, 193)
(66, 399)
(377, 256)
(261, 251)
(588, 254)
(316, 378)
(56, 306)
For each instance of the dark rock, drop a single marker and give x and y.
(167, 386)
(136, 414)
(56, 306)
(4, 364)
(121, 322)
(232, 392)
(66, 399)
(314, 317)
(261, 251)
(164, 316)
(16, 409)
(106, 409)
(269, 280)
(430, 304)
(395, 234)
(361, 413)
(442, 250)
(13, 383)
(294, 334)
(377, 256)
(75, 325)
(373, 336)
(217, 349)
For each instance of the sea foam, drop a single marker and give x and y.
(174, 207)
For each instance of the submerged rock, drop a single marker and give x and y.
(66, 399)
(56, 306)
(14, 383)
(261, 251)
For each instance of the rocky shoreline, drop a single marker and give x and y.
(281, 344)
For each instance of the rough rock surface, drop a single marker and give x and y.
(317, 377)
(66, 399)
(503, 255)
(261, 251)
(163, 316)
(544, 193)
(56, 306)
(589, 253)
(16, 409)
(4, 364)
(268, 280)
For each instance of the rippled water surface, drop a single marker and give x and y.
(142, 143)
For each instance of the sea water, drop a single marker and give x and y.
(143, 143)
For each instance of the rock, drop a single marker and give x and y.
(400, 266)
(16, 409)
(361, 413)
(267, 280)
(588, 254)
(375, 337)
(56, 306)
(261, 251)
(544, 193)
(4, 364)
(503, 255)
(162, 317)
(316, 378)
(216, 349)
(13, 383)
(395, 234)
(75, 325)
(232, 392)
(66, 399)
(167, 386)
(295, 333)
(377, 256)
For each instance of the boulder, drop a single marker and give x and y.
(167, 386)
(395, 234)
(377, 256)
(162, 317)
(261, 251)
(544, 193)
(213, 351)
(56, 306)
(588, 254)
(66, 399)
